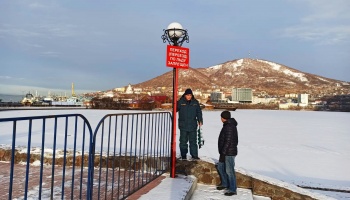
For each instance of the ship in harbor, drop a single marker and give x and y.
(52, 100)
(28, 99)
(225, 106)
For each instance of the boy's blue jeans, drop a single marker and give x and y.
(227, 173)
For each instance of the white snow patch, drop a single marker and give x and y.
(36, 163)
(291, 82)
(286, 185)
(171, 188)
(322, 79)
(257, 197)
(239, 73)
(209, 192)
(271, 80)
(228, 73)
(48, 152)
(185, 73)
(236, 64)
(288, 72)
(215, 67)
(273, 65)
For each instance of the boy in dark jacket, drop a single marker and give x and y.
(190, 116)
(227, 144)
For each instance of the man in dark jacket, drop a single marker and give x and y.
(190, 115)
(227, 144)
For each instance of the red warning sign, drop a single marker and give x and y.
(177, 57)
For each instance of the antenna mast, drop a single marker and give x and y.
(73, 93)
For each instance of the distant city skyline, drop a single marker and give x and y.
(47, 45)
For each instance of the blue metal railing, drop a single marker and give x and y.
(125, 152)
(132, 150)
(47, 130)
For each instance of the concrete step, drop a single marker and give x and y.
(210, 192)
(179, 188)
(186, 188)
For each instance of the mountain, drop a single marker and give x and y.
(262, 76)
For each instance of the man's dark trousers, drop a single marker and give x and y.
(190, 136)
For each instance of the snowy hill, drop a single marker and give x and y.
(260, 75)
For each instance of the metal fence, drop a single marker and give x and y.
(64, 159)
(130, 151)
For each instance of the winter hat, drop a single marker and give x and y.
(188, 91)
(226, 114)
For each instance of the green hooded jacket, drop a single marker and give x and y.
(190, 114)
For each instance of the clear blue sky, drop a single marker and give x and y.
(101, 45)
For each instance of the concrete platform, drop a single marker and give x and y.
(186, 188)
(165, 187)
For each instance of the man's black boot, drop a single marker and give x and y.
(220, 187)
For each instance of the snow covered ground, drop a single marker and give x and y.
(300, 147)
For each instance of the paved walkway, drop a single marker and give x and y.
(75, 189)
(19, 178)
(150, 186)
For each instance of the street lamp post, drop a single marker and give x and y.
(175, 35)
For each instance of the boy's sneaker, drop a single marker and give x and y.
(230, 193)
(220, 187)
(183, 157)
(195, 158)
